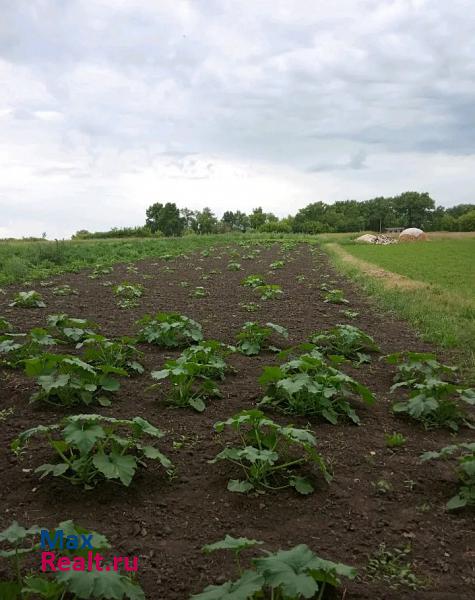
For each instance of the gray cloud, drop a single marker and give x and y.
(110, 96)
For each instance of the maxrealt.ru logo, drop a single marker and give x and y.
(87, 559)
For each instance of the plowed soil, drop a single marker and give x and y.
(166, 522)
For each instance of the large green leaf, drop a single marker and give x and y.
(116, 466)
(244, 588)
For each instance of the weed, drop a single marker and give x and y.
(250, 306)
(335, 296)
(234, 266)
(392, 568)
(395, 440)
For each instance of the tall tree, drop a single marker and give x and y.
(205, 221)
(165, 219)
(413, 208)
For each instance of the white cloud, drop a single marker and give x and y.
(108, 106)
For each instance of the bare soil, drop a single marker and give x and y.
(167, 522)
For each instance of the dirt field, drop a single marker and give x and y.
(167, 522)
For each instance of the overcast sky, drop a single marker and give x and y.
(107, 106)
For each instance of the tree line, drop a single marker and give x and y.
(410, 209)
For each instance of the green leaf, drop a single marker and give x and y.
(197, 404)
(9, 590)
(47, 589)
(110, 585)
(231, 543)
(15, 532)
(241, 487)
(116, 466)
(83, 435)
(243, 589)
(302, 485)
(54, 470)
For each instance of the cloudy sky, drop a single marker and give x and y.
(109, 105)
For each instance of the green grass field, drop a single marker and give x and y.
(448, 263)
(443, 311)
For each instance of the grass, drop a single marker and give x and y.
(437, 308)
(448, 263)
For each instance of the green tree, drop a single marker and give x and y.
(205, 221)
(235, 220)
(189, 217)
(152, 213)
(467, 221)
(258, 218)
(413, 208)
(165, 219)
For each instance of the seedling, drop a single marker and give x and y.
(266, 454)
(351, 314)
(129, 290)
(301, 278)
(64, 290)
(92, 448)
(131, 269)
(278, 264)
(67, 380)
(253, 281)
(465, 472)
(254, 337)
(269, 292)
(335, 296)
(392, 568)
(104, 353)
(184, 284)
(250, 306)
(29, 299)
(199, 292)
(307, 386)
(234, 266)
(5, 326)
(100, 270)
(395, 440)
(71, 329)
(347, 341)
(283, 575)
(169, 330)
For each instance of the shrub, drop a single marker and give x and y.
(169, 330)
(92, 448)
